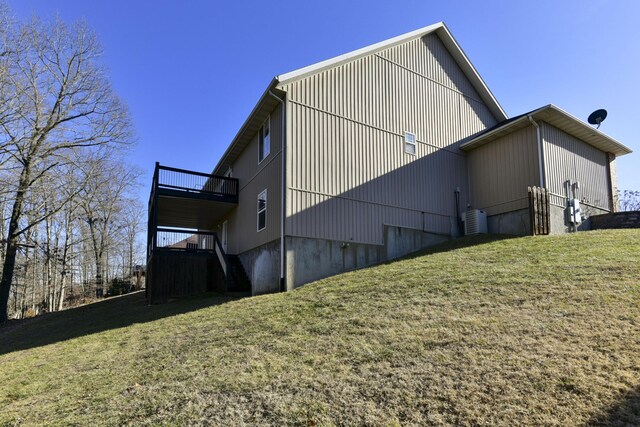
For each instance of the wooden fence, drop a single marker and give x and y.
(539, 210)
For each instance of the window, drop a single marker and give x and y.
(262, 210)
(265, 140)
(410, 143)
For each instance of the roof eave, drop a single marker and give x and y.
(224, 159)
(471, 72)
(439, 28)
(445, 36)
(489, 136)
(358, 53)
(619, 149)
(542, 113)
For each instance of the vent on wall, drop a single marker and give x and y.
(475, 222)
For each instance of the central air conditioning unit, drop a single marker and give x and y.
(475, 222)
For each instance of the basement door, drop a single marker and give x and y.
(223, 236)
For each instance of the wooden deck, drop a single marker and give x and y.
(188, 199)
(184, 256)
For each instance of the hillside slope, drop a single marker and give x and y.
(536, 331)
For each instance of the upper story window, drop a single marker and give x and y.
(265, 139)
(410, 143)
(262, 210)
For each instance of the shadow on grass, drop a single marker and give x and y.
(625, 412)
(458, 243)
(112, 313)
(129, 309)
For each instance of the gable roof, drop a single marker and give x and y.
(556, 117)
(445, 36)
(266, 103)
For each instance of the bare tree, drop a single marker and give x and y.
(131, 224)
(628, 200)
(61, 106)
(103, 205)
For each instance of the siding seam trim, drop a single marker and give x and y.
(581, 202)
(368, 202)
(430, 79)
(462, 154)
(275, 155)
(504, 203)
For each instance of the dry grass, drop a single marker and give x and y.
(533, 331)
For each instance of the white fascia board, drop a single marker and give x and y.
(622, 149)
(479, 139)
(447, 38)
(249, 118)
(472, 74)
(329, 63)
(539, 114)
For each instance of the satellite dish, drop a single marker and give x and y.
(597, 117)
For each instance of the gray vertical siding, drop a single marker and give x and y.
(253, 178)
(568, 158)
(348, 174)
(501, 170)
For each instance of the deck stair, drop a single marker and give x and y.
(238, 279)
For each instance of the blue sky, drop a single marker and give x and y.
(191, 71)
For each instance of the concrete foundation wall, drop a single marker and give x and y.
(262, 265)
(313, 259)
(518, 223)
(514, 223)
(560, 221)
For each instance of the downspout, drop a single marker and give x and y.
(283, 185)
(540, 150)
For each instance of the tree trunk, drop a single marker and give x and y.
(63, 286)
(47, 263)
(2, 246)
(12, 244)
(65, 260)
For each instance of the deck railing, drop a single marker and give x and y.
(166, 177)
(184, 241)
(172, 182)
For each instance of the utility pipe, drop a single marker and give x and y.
(283, 163)
(540, 150)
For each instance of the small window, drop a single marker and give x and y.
(262, 210)
(410, 143)
(265, 140)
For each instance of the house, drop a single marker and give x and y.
(364, 158)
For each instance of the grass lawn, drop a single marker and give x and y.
(480, 331)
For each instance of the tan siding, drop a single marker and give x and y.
(253, 178)
(501, 171)
(429, 57)
(348, 172)
(380, 93)
(568, 158)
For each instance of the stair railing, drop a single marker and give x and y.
(222, 258)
